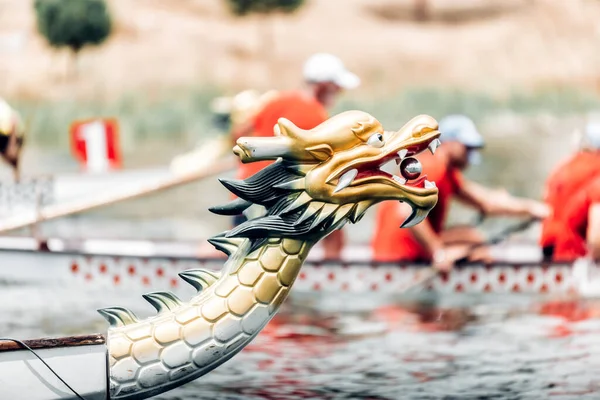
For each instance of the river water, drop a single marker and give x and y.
(333, 346)
(367, 346)
(394, 351)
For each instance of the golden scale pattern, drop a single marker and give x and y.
(193, 338)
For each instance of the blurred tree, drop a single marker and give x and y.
(73, 23)
(264, 8)
(244, 7)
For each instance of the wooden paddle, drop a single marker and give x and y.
(501, 236)
(210, 165)
(429, 273)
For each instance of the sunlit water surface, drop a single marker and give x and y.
(367, 346)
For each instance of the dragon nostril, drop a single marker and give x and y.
(421, 130)
(410, 168)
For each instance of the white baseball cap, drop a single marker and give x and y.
(324, 67)
(462, 129)
(591, 135)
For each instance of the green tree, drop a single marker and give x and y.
(244, 7)
(264, 8)
(73, 23)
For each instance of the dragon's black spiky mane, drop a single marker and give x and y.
(280, 189)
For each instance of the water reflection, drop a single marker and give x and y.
(416, 351)
(367, 347)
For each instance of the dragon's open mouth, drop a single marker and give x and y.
(369, 171)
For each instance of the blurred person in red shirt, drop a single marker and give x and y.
(580, 235)
(325, 77)
(428, 241)
(567, 178)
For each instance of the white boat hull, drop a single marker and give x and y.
(84, 368)
(157, 268)
(161, 274)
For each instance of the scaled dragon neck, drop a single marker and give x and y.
(185, 341)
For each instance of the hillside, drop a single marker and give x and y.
(485, 45)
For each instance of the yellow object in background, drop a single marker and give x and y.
(10, 120)
(242, 106)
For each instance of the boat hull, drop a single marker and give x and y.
(157, 270)
(161, 273)
(82, 367)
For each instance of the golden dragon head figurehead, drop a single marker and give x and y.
(328, 175)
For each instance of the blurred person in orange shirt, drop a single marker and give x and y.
(428, 241)
(567, 178)
(325, 77)
(12, 133)
(580, 233)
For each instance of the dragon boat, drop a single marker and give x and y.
(28, 194)
(31, 192)
(320, 180)
(134, 266)
(43, 194)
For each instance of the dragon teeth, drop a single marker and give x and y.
(400, 180)
(434, 145)
(402, 153)
(429, 185)
(346, 180)
(416, 217)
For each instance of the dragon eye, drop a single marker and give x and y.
(376, 140)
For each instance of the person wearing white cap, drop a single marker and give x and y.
(568, 177)
(325, 76)
(429, 241)
(591, 138)
(462, 130)
(12, 134)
